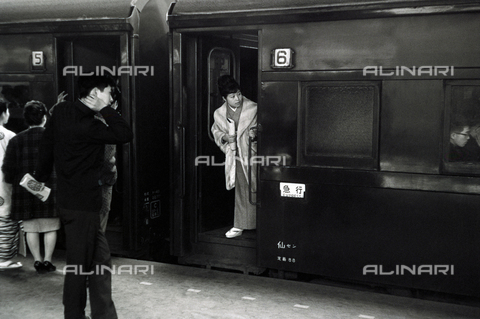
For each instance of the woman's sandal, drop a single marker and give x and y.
(234, 232)
(10, 265)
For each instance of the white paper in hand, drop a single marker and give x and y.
(35, 187)
(231, 131)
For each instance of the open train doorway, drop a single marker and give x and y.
(215, 202)
(211, 213)
(83, 55)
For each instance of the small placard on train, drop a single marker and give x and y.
(282, 58)
(292, 190)
(37, 60)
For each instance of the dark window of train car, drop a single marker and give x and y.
(221, 61)
(15, 94)
(461, 151)
(339, 124)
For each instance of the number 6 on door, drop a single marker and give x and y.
(282, 58)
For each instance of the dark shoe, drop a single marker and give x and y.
(48, 266)
(39, 266)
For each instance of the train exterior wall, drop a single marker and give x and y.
(17, 75)
(406, 207)
(389, 42)
(112, 35)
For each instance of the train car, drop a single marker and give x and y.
(45, 45)
(356, 102)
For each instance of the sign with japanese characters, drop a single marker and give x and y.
(286, 252)
(292, 190)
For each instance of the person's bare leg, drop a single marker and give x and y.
(50, 239)
(33, 241)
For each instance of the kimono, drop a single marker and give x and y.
(236, 168)
(9, 229)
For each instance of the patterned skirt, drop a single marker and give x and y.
(9, 237)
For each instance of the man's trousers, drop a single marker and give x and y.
(88, 258)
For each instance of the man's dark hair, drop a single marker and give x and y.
(227, 84)
(88, 83)
(33, 112)
(457, 127)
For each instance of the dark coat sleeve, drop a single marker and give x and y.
(10, 167)
(117, 130)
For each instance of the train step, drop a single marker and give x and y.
(221, 263)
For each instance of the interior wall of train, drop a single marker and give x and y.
(360, 101)
(46, 45)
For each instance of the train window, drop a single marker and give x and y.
(461, 151)
(221, 61)
(15, 94)
(339, 124)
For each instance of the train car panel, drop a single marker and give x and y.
(392, 42)
(124, 39)
(214, 13)
(371, 235)
(25, 11)
(18, 52)
(279, 122)
(358, 98)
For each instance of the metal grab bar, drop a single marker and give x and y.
(250, 192)
(209, 122)
(181, 129)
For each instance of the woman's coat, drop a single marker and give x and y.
(248, 119)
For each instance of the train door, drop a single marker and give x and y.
(84, 55)
(219, 57)
(21, 79)
(207, 205)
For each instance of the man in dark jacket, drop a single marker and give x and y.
(74, 142)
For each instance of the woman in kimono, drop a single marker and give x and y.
(233, 128)
(9, 229)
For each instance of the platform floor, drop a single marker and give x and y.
(174, 291)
